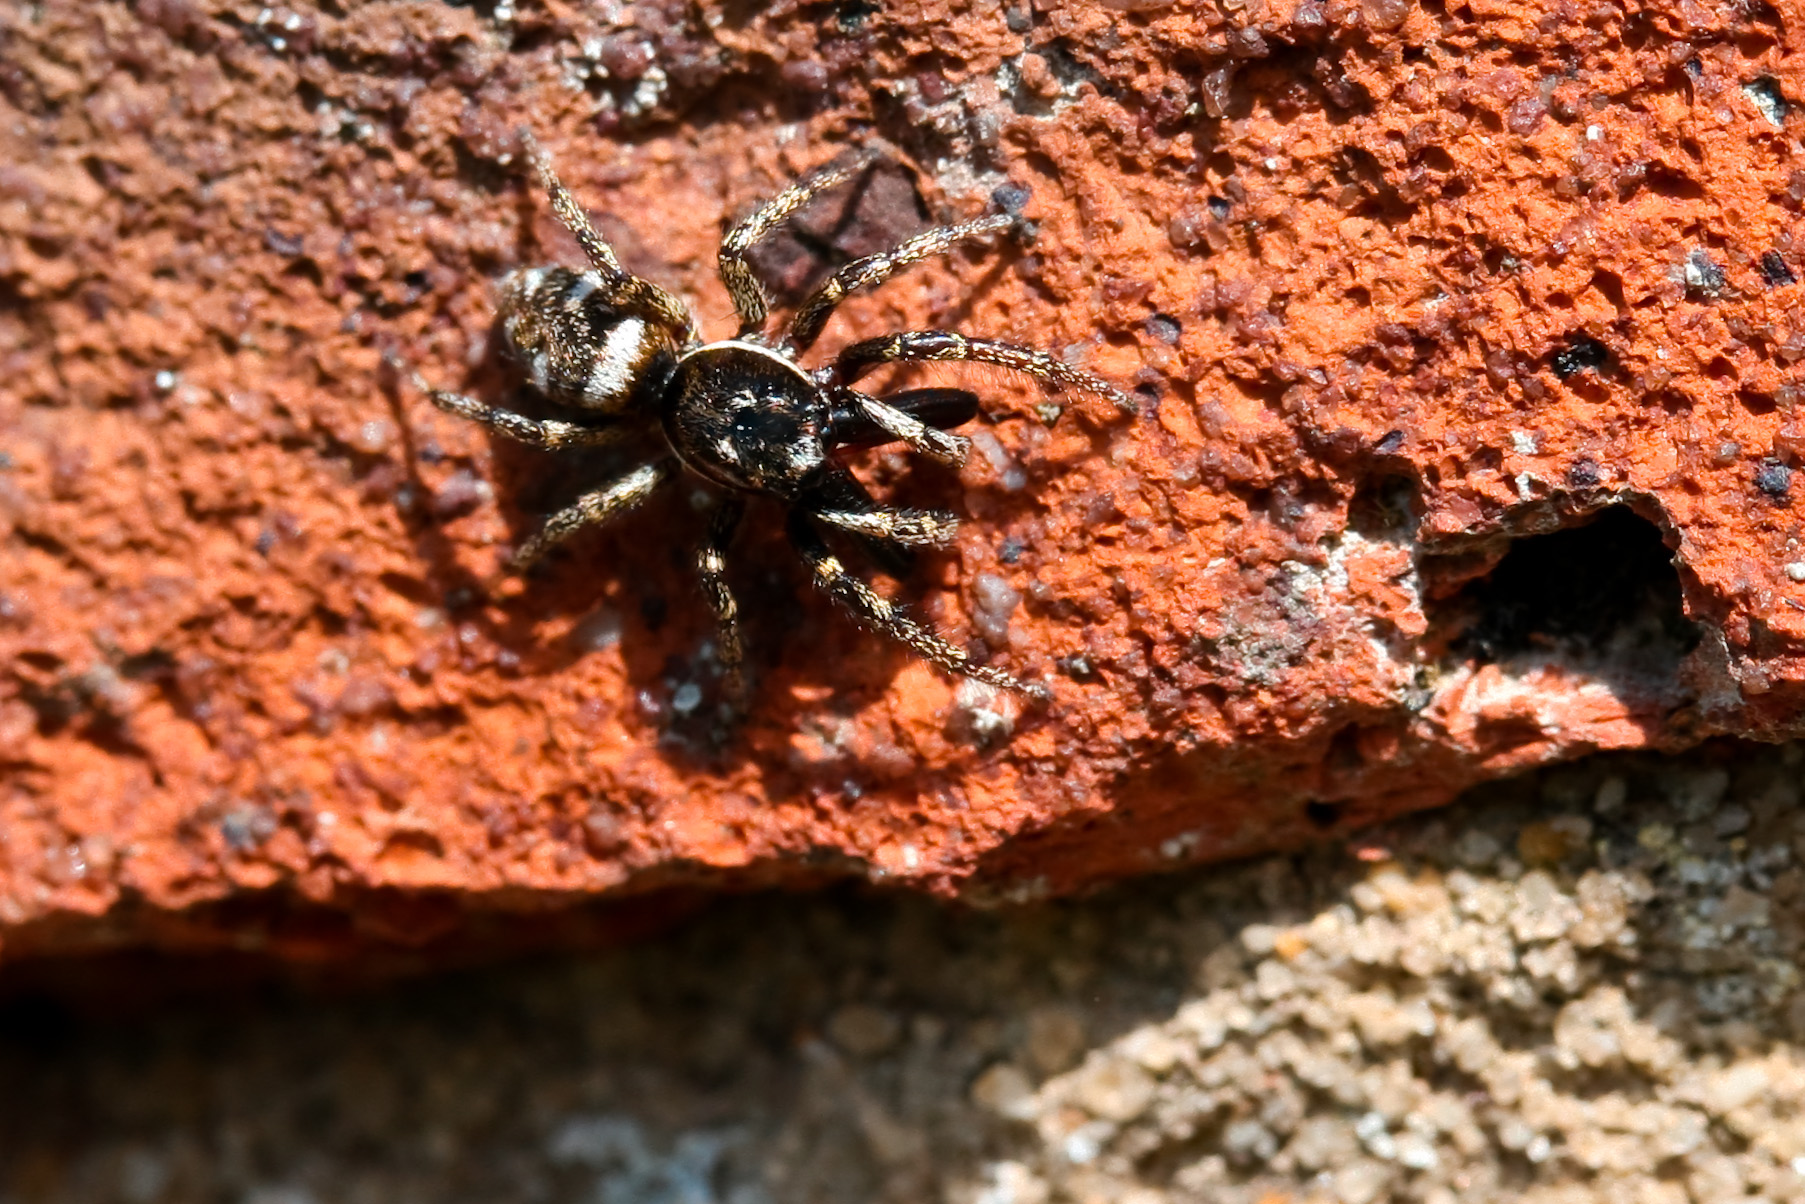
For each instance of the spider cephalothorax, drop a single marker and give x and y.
(743, 414)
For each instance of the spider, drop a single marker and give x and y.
(742, 413)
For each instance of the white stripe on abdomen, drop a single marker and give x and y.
(617, 364)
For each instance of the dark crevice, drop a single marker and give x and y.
(1385, 507)
(1378, 197)
(1580, 353)
(1606, 592)
(1322, 815)
(1664, 182)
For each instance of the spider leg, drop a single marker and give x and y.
(910, 528)
(548, 433)
(592, 509)
(837, 491)
(625, 290)
(935, 444)
(569, 212)
(736, 272)
(806, 326)
(711, 566)
(870, 609)
(914, 345)
(887, 533)
(849, 426)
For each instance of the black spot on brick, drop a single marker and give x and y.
(653, 610)
(1774, 479)
(1164, 328)
(1583, 474)
(853, 14)
(1774, 270)
(1219, 208)
(1389, 443)
(1011, 198)
(1077, 667)
(1581, 353)
(1703, 276)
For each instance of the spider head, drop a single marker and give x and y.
(746, 417)
(577, 348)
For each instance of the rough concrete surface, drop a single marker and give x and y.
(1582, 989)
(1466, 338)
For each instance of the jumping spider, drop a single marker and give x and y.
(742, 413)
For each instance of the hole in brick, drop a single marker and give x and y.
(1605, 591)
(1579, 354)
(1671, 184)
(1322, 815)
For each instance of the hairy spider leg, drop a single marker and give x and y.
(547, 433)
(838, 497)
(748, 295)
(593, 509)
(935, 444)
(849, 426)
(806, 326)
(872, 610)
(626, 291)
(914, 345)
(711, 566)
(834, 490)
(910, 528)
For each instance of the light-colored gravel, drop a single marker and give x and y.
(1579, 987)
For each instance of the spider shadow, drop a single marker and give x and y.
(649, 609)
(811, 667)
(629, 584)
(446, 582)
(527, 483)
(631, 589)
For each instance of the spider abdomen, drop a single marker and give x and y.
(577, 347)
(746, 417)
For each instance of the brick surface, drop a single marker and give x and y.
(1466, 339)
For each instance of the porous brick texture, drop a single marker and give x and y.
(1464, 336)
